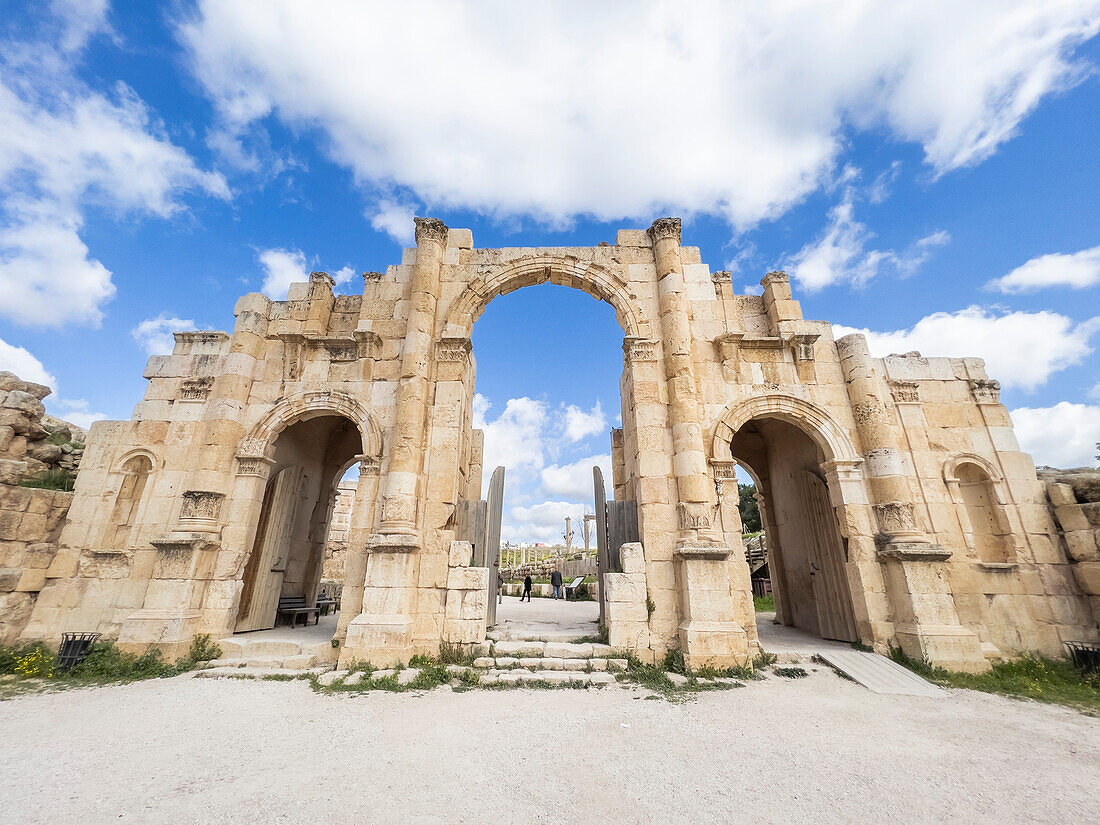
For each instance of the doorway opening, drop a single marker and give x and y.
(548, 370)
(806, 553)
(283, 574)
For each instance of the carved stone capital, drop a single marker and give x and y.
(201, 504)
(254, 466)
(195, 389)
(430, 229)
(722, 470)
(985, 391)
(322, 278)
(665, 228)
(777, 276)
(370, 465)
(372, 277)
(453, 349)
(694, 515)
(896, 517)
(639, 349)
(905, 392)
(722, 276)
(803, 346)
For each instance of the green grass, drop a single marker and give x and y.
(1029, 677)
(764, 604)
(55, 479)
(104, 664)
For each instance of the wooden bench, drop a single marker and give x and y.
(573, 586)
(295, 606)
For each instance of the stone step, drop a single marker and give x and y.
(556, 650)
(250, 672)
(555, 677)
(235, 648)
(550, 663)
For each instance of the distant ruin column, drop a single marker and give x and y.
(399, 502)
(926, 622)
(709, 634)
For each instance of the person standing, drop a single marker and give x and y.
(555, 582)
(500, 587)
(526, 589)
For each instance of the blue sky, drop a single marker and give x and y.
(926, 171)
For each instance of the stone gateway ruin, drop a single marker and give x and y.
(899, 508)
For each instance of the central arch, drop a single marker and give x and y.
(563, 270)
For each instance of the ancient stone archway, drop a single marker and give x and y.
(699, 362)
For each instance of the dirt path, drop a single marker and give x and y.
(812, 750)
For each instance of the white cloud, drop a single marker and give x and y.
(75, 411)
(1064, 435)
(395, 219)
(840, 254)
(1077, 271)
(1020, 349)
(515, 439)
(23, 364)
(524, 109)
(282, 267)
(154, 335)
(543, 522)
(81, 19)
(580, 424)
(344, 275)
(574, 481)
(62, 148)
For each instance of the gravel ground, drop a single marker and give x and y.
(819, 749)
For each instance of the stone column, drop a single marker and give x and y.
(383, 632)
(926, 622)
(399, 502)
(709, 635)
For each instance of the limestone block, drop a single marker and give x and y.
(621, 587)
(468, 578)
(1088, 576)
(433, 570)
(9, 578)
(1082, 545)
(568, 651)
(461, 553)
(1072, 516)
(518, 649)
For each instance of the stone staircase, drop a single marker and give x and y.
(258, 656)
(550, 662)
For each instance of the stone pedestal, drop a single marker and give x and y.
(927, 624)
(709, 633)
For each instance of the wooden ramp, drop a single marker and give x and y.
(878, 674)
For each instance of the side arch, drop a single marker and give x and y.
(564, 270)
(951, 467)
(309, 405)
(814, 421)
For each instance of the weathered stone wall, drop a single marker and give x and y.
(942, 537)
(26, 448)
(336, 545)
(1075, 502)
(30, 524)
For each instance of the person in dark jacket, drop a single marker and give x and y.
(500, 587)
(526, 589)
(555, 582)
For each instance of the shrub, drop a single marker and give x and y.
(34, 662)
(55, 479)
(204, 649)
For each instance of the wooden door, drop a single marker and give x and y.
(832, 598)
(263, 574)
